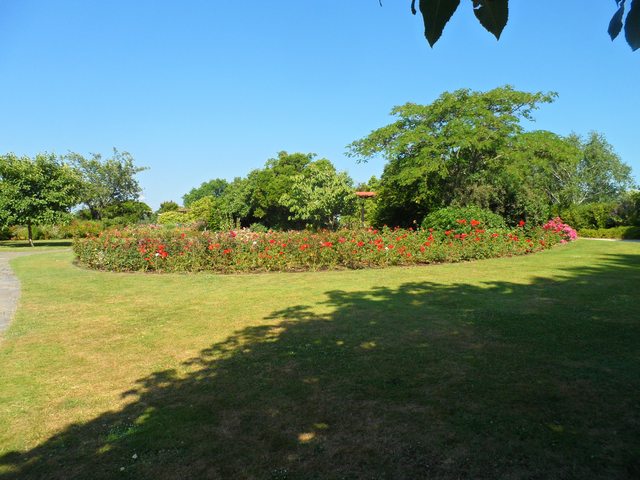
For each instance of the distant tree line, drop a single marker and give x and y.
(470, 148)
(466, 148)
(43, 190)
(292, 191)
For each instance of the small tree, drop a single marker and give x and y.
(106, 182)
(33, 191)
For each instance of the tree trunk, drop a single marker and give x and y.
(29, 233)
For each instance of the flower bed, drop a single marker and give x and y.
(153, 248)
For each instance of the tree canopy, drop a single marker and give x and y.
(470, 148)
(108, 181)
(494, 14)
(320, 195)
(39, 190)
(292, 191)
(214, 188)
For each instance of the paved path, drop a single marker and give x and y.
(610, 239)
(9, 288)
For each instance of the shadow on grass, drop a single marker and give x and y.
(37, 243)
(500, 380)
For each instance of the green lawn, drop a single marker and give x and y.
(515, 368)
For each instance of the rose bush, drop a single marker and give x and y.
(153, 248)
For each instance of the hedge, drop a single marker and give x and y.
(157, 249)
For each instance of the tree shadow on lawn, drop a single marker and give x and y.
(500, 380)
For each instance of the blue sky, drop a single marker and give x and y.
(201, 89)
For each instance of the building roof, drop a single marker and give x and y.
(366, 194)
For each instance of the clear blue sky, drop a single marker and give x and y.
(203, 89)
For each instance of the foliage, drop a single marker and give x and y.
(173, 218)
(76, 228)
(538, 173)
(493, 16)
(451, 218)
(320, 195)
(205, 211)
(108, 181)
(469, 148)
(258, 227)
(450, 151)
(591, 215)
(235, 203)
(621, 233)
(212, 188)
(168, 206)
(601, 176)
(628, 210)
(36, 191)
(128, 212)
(5, 233)
(157, 249)
(266, 187)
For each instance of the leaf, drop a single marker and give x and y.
(615, 25)
(436, 14)
(632, 26)
(493, 14)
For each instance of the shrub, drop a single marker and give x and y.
(591, 215)
(82, 228)
(628, 211)
(566, 232)
(173, 218)
(622, 233)
(258, 227)
(450, 218)
(5, 233)
(153, 248)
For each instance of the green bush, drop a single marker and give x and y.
(77, 228)
(5, 233)
(450, 218)
(173, 218)
(82, 228)
(628, 210)
(258, 227)
(591, 215)
(622, 233)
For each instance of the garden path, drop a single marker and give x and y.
(9, 288)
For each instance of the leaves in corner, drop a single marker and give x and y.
(615, 25)
(436, 14)
(493, 14)
(632, 26)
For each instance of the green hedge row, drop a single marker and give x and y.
(621, 233)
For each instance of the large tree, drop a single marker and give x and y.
(36, 191)
(266, 187)
(106, 181)
(446, 152)
(601, 175)
(320, 195)
(494, 14)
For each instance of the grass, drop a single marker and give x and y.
(513, 368)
